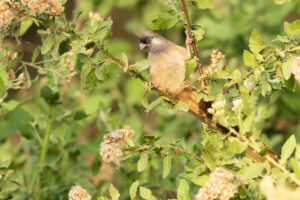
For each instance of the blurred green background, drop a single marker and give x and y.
(74, 151)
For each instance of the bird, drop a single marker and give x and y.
(167, 70)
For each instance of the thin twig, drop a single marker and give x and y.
(194, 45)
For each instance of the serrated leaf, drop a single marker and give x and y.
(25, 25)
(237, 146)
(165, 21)
(167, 162)
(249, 59)
(198, 33)
(256, 43)
(183, 190)
(48, 43)
(142, 65)
(253, 170)
(90, 81)
(286, 68)
(203, 4)
(190, 66)
(114, 193)
(143, 162)
(287, 149)
(133, 188)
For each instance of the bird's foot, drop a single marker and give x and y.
(188, 40)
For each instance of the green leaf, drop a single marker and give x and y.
(167, 166)
(248, 122)
(253, 170)
(102, 197)
(203, 4)
(3, 80)
(5, 164)
(90, 81)
(142, 65)
(237, 147)
(164, 21)
(249, 59)
(22, 120)
(50, 96)
(296, 167)
(143, 162)
(183, 190)
(129, 141)
(209, 160)
(114, 193)
(198, 33)
(36, 53)
(190, 66)
(182, 106)
(287, 149)
(25, 25)
(133, 188)
(246, 100)
(293, 28)
(286, 68)
(48, 43)
(145, 193)
(279, 2)
(256, 43)
(124, 59)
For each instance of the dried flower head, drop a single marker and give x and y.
(78, 193)
(218, 187)
(96, 16)
(111, 149)
(215, 57)
(296, 68)
(52, 7)
(6, 14)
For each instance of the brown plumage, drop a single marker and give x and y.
(167, 69)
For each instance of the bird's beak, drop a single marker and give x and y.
(142, 46)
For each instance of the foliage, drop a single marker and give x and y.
(59, 97)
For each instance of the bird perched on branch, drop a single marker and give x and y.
(167, 69)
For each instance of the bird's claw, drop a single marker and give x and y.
(188, 40)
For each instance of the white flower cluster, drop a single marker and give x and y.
(111, 148)
(296, 68)
(6, 14)
(53, 7)
(215, 57)
(78, 193)
(218, 187)
(237, 103)
(218, 108)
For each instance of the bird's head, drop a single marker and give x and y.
(153, 42)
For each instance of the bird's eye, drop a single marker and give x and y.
(148, 40)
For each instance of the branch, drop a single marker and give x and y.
(199, 110)
(194, 46)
